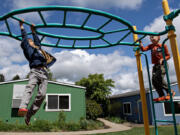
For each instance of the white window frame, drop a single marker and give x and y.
(57, 94)
(130, 108)
(16, 98)
(176, 98)
(18, 86)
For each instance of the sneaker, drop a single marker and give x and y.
(155, 99)
(162, 98)
(173, 94)
(22, 112)
(27, 120)
(159, 99)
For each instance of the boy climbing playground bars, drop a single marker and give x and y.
(128, 28)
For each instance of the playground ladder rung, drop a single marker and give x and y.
(162, 101)
(164, 121)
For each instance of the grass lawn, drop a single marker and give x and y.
(163, 130)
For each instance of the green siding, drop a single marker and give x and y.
(78, 108)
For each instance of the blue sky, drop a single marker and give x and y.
(117, 63)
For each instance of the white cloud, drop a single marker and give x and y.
(71, 66)
(11, 58)
(123, 4)
(10, 52)
(12, 70)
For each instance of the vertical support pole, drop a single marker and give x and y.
(142, 89)
(173, 42)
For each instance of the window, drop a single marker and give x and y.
(18, 91)
(167, 108)
(127, 108)
(57, 102)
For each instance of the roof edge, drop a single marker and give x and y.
(54, 82)
(134, 92)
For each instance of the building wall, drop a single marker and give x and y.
(159, 107)
(78, 108)
(136, 107)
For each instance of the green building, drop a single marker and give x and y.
(64, 97)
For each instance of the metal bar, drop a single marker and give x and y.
(29, 33)
(58, 42)
(109, 32)
(64, 20)
(165, 121)
(140, 39)
(106, 41)
(74, 43)
(142, 88)
(42, 38)
(42, 18)
(169, 88)
(104, 24)
(150, 87)
(90, 43)
(161, 101)
(8, 27)
(16, 18)
(124, 37)
(87, 18)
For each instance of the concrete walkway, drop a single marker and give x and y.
(113, 128)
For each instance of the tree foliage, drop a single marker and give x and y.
(93, 110)
(16, 77)
(2, 78)
(97, 88)
(115, 108)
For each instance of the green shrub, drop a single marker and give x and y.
(93, 110)
(72, 126)
(61, 120)
(93, 124)
(114, 109)
(83, 123)
(42, 125)
(116, 119)
(6, 127)
(46, 126)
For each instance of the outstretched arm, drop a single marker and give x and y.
(35, 37)
(142, 47)
(23, 32)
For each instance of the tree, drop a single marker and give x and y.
(2, 78)
(97, 88)
(16, 77)
(50, 75)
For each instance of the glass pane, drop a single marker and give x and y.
(63, 102)
(176, 106)
(52, 102)
(128, 108)
(125, 108)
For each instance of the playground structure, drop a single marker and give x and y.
(101, 35)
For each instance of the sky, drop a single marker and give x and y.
(117, 63)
